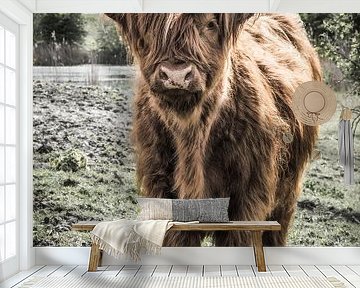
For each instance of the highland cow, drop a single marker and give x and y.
(211, 108)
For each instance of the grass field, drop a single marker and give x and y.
(328, 211)
(84, 170)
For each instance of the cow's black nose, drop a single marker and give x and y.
(176, 76)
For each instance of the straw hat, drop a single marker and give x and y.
(314, 103)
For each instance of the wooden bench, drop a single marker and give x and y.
(255, 227)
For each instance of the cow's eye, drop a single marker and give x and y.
(212, 25)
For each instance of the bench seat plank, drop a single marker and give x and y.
(228, 226)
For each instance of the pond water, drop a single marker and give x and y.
(100, 75)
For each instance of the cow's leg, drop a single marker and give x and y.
(232, 238)
(284, 215)
(245, 213)
(155, 154)
(183, 239)
(290, 185)
(287, 193)
(155, 172)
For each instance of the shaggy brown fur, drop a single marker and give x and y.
(225, 139)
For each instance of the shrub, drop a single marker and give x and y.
(71, 161)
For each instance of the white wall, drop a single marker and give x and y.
(20, 11)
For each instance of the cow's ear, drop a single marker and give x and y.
(118, 17)
(125, 29)
(121, 21)
(126, 24)
(231, 24)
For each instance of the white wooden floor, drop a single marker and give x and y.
(347, 274)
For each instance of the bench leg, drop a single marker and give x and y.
(258, 250)
(95, 257)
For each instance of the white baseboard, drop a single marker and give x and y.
(209, 256)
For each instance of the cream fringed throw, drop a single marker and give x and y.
(130, 237)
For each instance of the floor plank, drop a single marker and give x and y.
(112, 270)
(162, 271)
(355, 268)
(278, 270)
(100, 270)
(129, 270)
(20, 277)
(245, 271)
(229, 270)
(261, 274)
(46, 271)
(195, 271)
(328, 271)
(62, 271)
(212, 270)
(178, 270)
(79, 271)
(146, 271)
(311, 271)
(349, 274)
(294, 271)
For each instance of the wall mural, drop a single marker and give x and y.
(197, 106)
